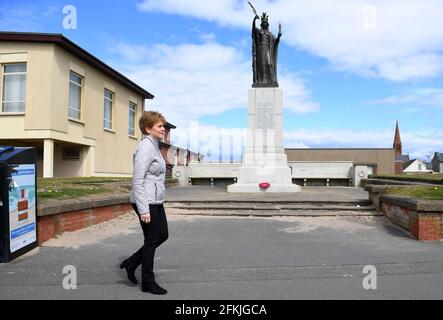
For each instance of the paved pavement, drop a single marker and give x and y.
(312, 194)
(236, 258)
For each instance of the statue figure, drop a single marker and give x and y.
(264, 53)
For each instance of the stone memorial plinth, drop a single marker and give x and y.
(264, 159)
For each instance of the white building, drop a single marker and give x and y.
(415, 166)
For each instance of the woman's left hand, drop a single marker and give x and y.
(146, 218)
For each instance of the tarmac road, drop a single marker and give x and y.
(236, 258)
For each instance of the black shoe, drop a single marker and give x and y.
(130, 271)
(153, 288)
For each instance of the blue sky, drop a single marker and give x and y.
(349, 69)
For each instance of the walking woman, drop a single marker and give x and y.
(147, 197)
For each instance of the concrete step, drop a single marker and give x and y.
(270, 206)
(242, 203)
(270, 213)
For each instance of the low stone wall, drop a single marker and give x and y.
(422, 218)
(371, 181)
(58, 216)
(374, 193)
(304, 173)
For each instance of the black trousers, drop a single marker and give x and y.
(155, 233)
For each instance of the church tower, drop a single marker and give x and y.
(398, 151)
(397, 141)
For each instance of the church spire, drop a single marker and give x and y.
(397, 141)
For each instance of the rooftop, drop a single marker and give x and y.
(77, 51)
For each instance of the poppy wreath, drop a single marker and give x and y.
(264, 185)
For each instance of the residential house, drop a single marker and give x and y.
(80, 114)
(415, 166)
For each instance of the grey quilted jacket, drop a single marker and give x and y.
(148, 180)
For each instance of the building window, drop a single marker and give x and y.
(71, 153)
(107, 122)
(14, 87)
(419, 166)
(39, 154)
(75, 87)
(132, 111)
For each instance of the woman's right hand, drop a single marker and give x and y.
(146, 217)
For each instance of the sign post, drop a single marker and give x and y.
(18, 202)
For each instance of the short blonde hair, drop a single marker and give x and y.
(149, 119)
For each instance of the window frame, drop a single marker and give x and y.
(111, 100)
(132, 104)
(2, 85)
(69, 94)
(67, 150)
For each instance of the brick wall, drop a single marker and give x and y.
(382, 158)
(51, 225)
(399, 215)
(398, 167)
(423, 226)
(428, 227)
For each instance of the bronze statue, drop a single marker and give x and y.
(264, 53)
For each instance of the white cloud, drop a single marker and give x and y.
(417, 97)
(207, 37)
(415, 144)
(209, 10)
(341, 138)
(206, 139)
(211, 141)
(396, 40)
(194, 80)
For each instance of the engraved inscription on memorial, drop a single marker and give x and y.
(264, 116)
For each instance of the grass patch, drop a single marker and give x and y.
(436, 178)
(418, 192)
(80, 180)
(70, 193)
(71, 188)
(78, 187)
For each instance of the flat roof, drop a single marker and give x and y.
(68, 45)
